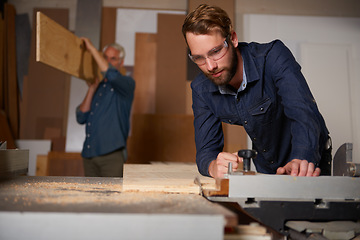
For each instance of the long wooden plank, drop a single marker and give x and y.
(164, 138)
(11, 103)
(145, 73)
(170, 94)
(2, 56)
(59, 48)
(165, 178)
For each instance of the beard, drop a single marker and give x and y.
(228, 72)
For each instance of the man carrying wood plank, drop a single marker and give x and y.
(106, 112)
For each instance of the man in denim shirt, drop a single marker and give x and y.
(258, 86)
(106, 112)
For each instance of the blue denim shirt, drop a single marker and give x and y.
(108, 121)
(276, 109)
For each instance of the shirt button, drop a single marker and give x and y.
(272, 162)
(100, 94)
(88, 135)
(261, 109)
(229, 121)
(96, 104)
(264, 150)
(112, 89)
(104, 85)
(91, 113)
(254, 139)
(89, 124)
(88, 146)
(245, 122)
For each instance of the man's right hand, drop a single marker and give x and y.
(219, 167)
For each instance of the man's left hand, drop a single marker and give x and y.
(299, 167)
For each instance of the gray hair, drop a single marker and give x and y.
(117, 47)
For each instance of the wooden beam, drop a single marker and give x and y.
(59, 48)
(11, 87)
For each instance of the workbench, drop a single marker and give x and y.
(152, 201)
(90, 208)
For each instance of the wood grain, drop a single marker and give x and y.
(59, 48)
(164, 178)
(145, 73)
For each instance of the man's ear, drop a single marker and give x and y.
(234, 39)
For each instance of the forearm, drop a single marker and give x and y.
(99, 59)
(86, 103)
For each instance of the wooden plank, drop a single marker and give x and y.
(42, 165)
(170, 65)
(59, 48)
(166, 138)
(11, 106)
(165, 178)
(45, 90)
(145, 73)
(65, 164)
(108, 26)
(2, 56)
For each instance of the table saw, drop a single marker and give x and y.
(165, 201)
(285, 202)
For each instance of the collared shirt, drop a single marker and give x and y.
(108, 121)
(276, 109)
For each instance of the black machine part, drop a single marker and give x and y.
(247, 155)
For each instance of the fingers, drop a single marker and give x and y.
(303, 168)
(317, 172)
(220, 166)
(280, 171)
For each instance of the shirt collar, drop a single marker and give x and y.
(226, 90)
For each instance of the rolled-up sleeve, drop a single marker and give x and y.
(81, 116)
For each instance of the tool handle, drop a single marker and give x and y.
(246, 155)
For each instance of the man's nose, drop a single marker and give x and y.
(210, 64)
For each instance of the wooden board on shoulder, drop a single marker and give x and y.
(59, 48)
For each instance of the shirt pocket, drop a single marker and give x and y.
(261, 111)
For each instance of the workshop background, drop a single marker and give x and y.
(38, 102)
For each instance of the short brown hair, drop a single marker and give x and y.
(205, 19)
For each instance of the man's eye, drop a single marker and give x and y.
(215, 51)
(198, 58)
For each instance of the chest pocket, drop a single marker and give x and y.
(262, 111)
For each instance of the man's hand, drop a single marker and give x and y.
(299, 167)
(219, 167)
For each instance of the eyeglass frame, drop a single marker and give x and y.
(225, 45)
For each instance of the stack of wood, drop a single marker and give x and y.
(13, 161)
